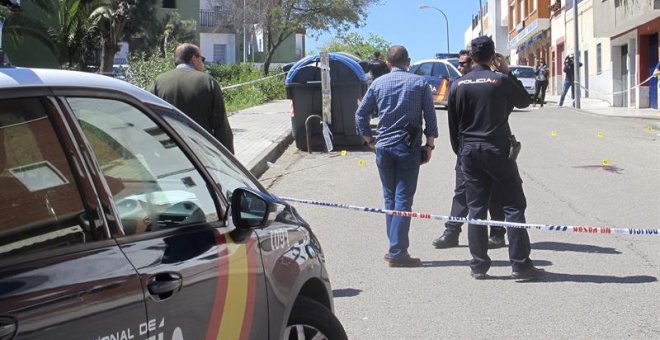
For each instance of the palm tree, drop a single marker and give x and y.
(63, 26)
(110, 21)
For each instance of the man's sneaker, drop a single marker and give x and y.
(530, 273)
(478, 276)
(404, 261)
(446, 240)
(495, 242)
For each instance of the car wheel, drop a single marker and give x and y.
(312, 320)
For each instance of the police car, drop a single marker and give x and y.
(439, 74)
(120, 218)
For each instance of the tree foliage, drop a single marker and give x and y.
(63, 26)
(358, 45)
(282, 18)
(109, 21)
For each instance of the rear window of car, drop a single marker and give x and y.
(523, 72)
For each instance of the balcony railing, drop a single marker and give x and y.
(214, 18)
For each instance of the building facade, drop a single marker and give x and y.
(632, 30)
(495, 18)
(529, 31)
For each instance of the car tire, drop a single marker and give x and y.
(312, 320)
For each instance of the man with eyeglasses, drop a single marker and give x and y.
(195, 93)
(459, 208)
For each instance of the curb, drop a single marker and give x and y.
(259, 165)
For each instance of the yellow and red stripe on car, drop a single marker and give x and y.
(443, 90)
(235, 294)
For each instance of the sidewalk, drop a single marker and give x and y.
(262, 133)
(603, 108)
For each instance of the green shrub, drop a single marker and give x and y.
(144, 69)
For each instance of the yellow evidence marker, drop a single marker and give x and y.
(605, 162)
(361, 162)
(649, 128)
(553, 133)
(600, 134)
(343, 152)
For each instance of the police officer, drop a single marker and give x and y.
(449, 237)
(478, 113)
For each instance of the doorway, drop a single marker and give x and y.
(586, 74)
(653, 61)
(624, 75)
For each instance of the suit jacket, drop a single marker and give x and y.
(199, 96)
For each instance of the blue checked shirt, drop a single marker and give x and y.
(400, 98)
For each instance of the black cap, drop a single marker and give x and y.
(483, 47)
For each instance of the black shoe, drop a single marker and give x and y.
(478, 276)
(495, 242)
(446, 240)
(404, 261)
(530, 273)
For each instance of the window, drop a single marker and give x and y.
(425, 69)
(226, 173)
(440, 70)
(599, 59)
(220, 53)
(153, 183)
(40, 205)
(169, 4)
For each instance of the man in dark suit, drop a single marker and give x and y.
(196, 93)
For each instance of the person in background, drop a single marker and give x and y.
(403, 101)
(541, 83)
(459, 208)
(195, 93)
(569, 79)
(377, 67)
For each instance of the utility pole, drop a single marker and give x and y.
(244, 34)
(2, 53)
(576, 57)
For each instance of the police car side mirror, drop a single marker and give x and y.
(252, 209)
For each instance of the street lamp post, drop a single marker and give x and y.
(244, 35)
(444, 15)
(481, 19)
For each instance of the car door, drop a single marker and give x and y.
(200, 278)
(283, 245)
(61, 274)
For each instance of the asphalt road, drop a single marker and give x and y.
(598, 286)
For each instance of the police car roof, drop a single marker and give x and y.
(431, 60)
(13, 77)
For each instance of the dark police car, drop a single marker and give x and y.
(120, 218)
(439, 74)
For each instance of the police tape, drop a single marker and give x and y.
(252, 81)
(613, 93)
(546, 227)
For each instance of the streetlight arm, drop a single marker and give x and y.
(421, 6)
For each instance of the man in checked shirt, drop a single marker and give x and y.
(402, 100)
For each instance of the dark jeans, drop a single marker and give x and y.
(483, 165)
(567, 85)
(398, 166)
(459, 206)
(539, 89)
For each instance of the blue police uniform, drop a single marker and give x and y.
(478, 110)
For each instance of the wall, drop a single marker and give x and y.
(207, 40)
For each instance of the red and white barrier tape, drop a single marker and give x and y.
(547, 227)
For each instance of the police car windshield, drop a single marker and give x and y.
(523, 72)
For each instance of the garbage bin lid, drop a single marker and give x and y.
(342, 58)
